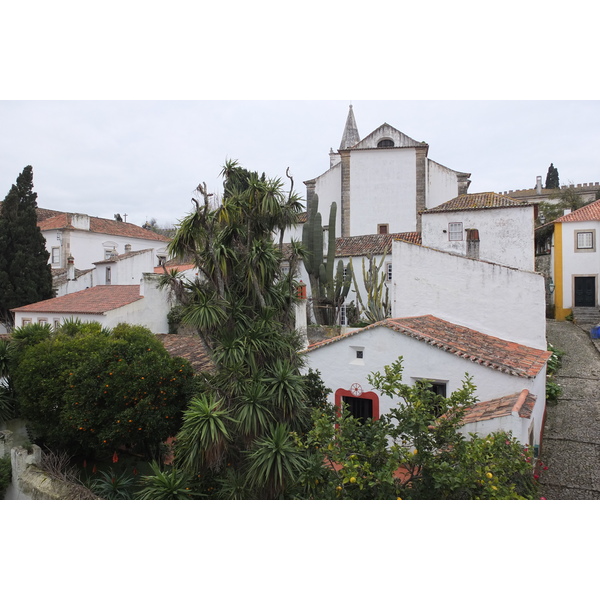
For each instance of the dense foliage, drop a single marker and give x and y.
(416, 451)
(562, 200)
(5, 475)
(236, 429)
(25, 275)
(95, 391)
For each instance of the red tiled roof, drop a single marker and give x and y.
(486, 350)
(483, 200)
(190, 347)
(589, 212)
(62, 220)
(520, 404)
(375, 243)
(174, 265)
(92, 301)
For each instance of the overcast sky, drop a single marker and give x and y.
(145, 158)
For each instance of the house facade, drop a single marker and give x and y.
(574, 260)
(91, 239)
(442, 353)
(485, 226)
(143, 304)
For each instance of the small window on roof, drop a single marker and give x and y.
(385, 143)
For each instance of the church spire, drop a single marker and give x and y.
(350, 137)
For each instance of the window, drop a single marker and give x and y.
(383, 228)
(455, 232)
(388, 271)
(344, 315)
(360, 354)
(584, 241)
(56, 255)
(385, 143)
(42, 320)
(56, 323)
(25, 322)
(108, 276)
(109, 252)
(438, 388)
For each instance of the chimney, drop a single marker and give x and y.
(538, 185)
(70, 268)
(127, 248)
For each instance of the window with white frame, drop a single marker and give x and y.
(344, 315)
(584, 240)
(455, 232)
(56, 255)
(26, 322)
(388, 271)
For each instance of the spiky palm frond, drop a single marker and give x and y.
(275, 463)
(204, 436)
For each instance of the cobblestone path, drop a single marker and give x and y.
(571, 445)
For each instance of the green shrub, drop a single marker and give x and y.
(5, 475)
(94, 391)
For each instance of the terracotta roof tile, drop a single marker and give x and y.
(190, 347)
(520, 404)
(589, 212)
(61, 220)
(92, 301)
(485, 200)
(488, 351)
(376, 243)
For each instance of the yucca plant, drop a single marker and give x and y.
(112, 486)
(275, 463)
(205, 435)
(170, 484)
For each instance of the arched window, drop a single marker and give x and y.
(385, 143)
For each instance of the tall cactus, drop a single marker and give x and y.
(378, 306)
(329, 290)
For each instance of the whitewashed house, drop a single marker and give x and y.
(510, 377)
(138, 304)
(572, 241)
(485, 226)
(91, 239)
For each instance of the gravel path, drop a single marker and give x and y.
(571, 447)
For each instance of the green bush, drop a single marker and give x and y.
(5, 475)
(94, 391)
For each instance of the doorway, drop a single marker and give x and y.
(585, 291)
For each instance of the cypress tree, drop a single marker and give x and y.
(552, 181)
(25, 275)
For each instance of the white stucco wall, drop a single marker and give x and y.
(328, 188)
(490, 298)
(339, 368)
(129, 269)
(506, 234)
(83, 282)
(442, 184)
(382, 190)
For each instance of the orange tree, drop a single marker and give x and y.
(416, 451)
(94, 391)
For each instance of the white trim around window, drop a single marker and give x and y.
(455, 232)
(585, 240)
